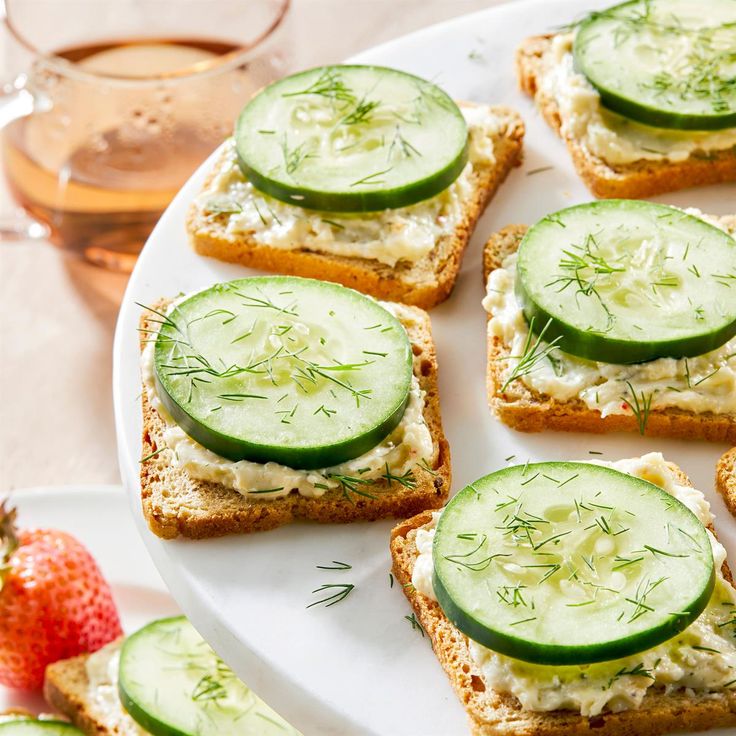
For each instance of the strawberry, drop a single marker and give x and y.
(54, 602)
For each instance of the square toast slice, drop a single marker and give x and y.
(176, 504)
(424, 283)
(526, 410)
(66, 688)
(493, 713)
(627, 181)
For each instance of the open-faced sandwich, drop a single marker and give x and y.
(726, 479)
(614, 316)
(643, 94)
(162, 680)
(272, 398)
(362, 175)
(567, 598)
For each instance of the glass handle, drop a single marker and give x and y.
(18, 101)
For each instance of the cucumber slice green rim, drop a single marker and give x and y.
(664, 63)
(351, 138)
(622, 281)
(570, 563)
(281, 369)
(31, 727)
(173, 684)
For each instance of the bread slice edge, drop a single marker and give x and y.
(726, 479)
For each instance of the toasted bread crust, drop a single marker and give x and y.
(527, 410)
(726, 479)
(425, 283)
(496, 714)
(66, 688)
(175, 504)
(628, 181)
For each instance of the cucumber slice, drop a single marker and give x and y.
(570, 563)
(172, 684)
(32, 727)
(666, 63)
(351, 138)
(281, 369)
(625, 281)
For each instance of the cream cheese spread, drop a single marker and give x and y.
(102, 692)
(407, 445)
(611, 137)
(700, 659)
(389, 236)
(705, 383)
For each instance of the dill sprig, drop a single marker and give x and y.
(424, 465)
(372, 179)
(222, 206)
(329, 84)
(478, 565)
(336, 565)
(621, 562)
(352, 484)
(164, 319)
(532, 354)
(401, 145)
(361, 113)
(539, 170)
(638, 671)
(294, 157)
(209, 688)
(512, 595)
(584, 267)
(152, 455)
(342, 591)
(262, 301)
(415, 625)
(408, 479)
(640, 405)
(643, 590)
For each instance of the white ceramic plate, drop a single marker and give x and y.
(98, 517)
(358, 667)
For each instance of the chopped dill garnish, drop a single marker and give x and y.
(342, 591)
(336, 565)
(329, 84)
(640, 405)
(371, 179)
(638, 671)
(152, 455)
(351, 484)
(415, 625)
(408, 480)
(532, 354)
